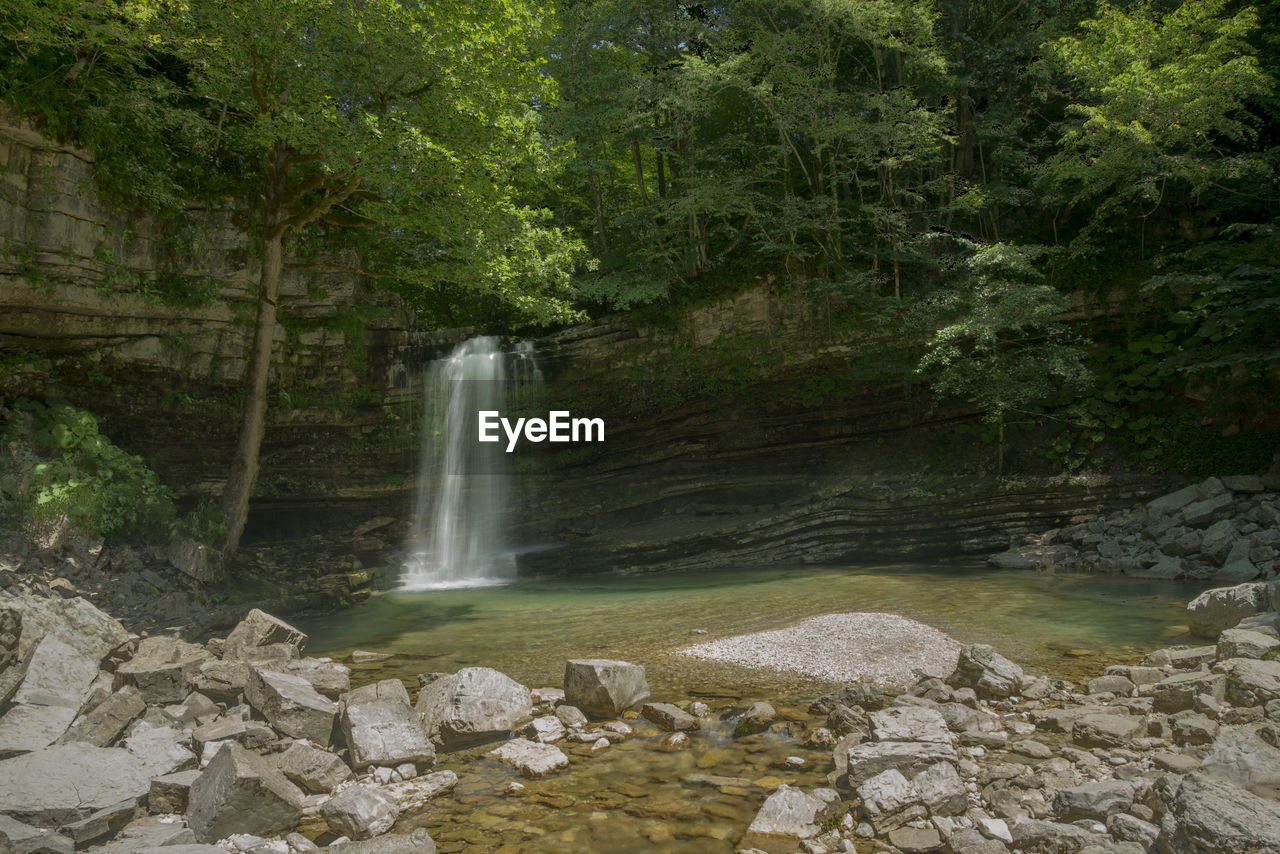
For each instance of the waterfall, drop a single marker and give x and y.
(460, 537)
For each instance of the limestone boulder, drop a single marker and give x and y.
(102, 726)
(988, 673)
(1243, 643)
(67, 782)
(1223, 607)
(170, 793)
(910, 723)
(890, 800)
(670, 718)
(315, 770)
(330, 678)
(1250, 682)
(240, 792)
(418, 842)
(1211, 816)
(360, 812)
(414, 794)
(787, 817)
(1247, 757)
(381, 728)
(291, 705)
(164, 669)
(1095, 800)
(57, 674)
(1107, 730)
(1178, 692)
(864, 761)
(223, 680)
(259, 629)
(19, 838)
(472, 706)
(602, 687)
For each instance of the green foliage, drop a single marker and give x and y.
(204, 523)
(1000, 343)
(98, 487)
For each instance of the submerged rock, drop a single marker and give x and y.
(531, 758)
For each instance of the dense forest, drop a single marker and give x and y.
(955, 174)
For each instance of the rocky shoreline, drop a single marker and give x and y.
(1221, 529)
(114, 743)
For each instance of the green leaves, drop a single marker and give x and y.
(97, 486)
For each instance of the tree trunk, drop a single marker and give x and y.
(598, 203)
(253, 415)
(639, 164)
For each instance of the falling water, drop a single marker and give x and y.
(460, 537)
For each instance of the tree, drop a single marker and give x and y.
(1163, 119)
(416, 118)
(1000, 344)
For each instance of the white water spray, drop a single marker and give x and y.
(460, 532)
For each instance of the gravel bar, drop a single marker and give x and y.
(883, 649)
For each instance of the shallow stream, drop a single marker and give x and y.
(634, 798)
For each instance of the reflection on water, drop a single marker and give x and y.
(634, 798)
(1062, 624)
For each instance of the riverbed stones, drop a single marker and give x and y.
(788, 816)
(473, 706)
(670, 718)
(890, 800)
(360, 812)
(1242, 643)
(756, 719)
(988, 673)
(240, 792)
(1178, 692)
(603, 687)
(1035, 836)
(861, 694)
(1107, 730)
(1250, 682)
(910, 723)
(1096, 800)
(291, 705)
(866, 760)
(260, 629)
(1222, 608)
(545, 728)
(164, 668)
(381, 728)
(1247, 757)
(417, 842)
(530, 758)
(414, 794)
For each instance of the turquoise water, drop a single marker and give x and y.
(633, 798)
(1066, 625)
